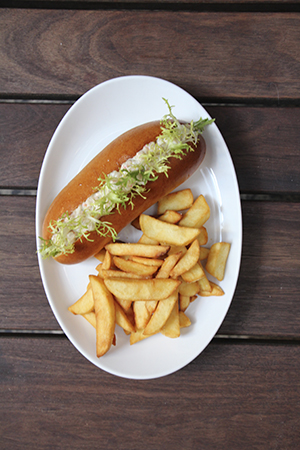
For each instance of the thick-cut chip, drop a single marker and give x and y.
(189, 289)
(147, 241)
(177, 249)
(197, 215)
(203, 236)
(150, 289)
(187, 261)
(107, 262)
(147, 261)
(204, 284)
(203, 253)
(118, 274)
(184, 302)
(134, 267)
(141, 314)
(91, 318)
(148, 251)
(100, 255)
(184, 320)
(122, 319)
(167, 266)
(171, 328)
(138, 336)
(151, 305)
(168, 233)
(170, 216)
(216, 260)
(130, 315)
(194, 274)
(176, 201)
(161, 314)
(105, 315)
(215, 291)
(125, 304)
(84, 305)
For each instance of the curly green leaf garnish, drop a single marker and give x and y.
(118, 189)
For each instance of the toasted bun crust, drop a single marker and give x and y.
(109, 159)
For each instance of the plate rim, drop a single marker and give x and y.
(47, 155)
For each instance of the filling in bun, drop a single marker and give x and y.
(119, 188)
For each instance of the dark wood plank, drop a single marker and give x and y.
(26, 130)
(267, 294)
(230, 397)
(266, 301)
(263, 142)
(264, 145)
(222, 55)
(22, 298)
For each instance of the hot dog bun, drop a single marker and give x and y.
(109, 159)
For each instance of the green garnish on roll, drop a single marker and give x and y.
(119, 188)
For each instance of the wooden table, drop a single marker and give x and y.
(242, 62)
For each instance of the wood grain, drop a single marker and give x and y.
(26, 130)
(263, 142)
(222, 55)
(55, 398)
(266, 301)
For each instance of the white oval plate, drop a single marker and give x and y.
(92, 122)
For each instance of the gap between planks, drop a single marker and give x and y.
(219, 338)
(221, 6)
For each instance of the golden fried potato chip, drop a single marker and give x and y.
(138, 336)
(84, 305)
(91, 318)
(148, 251)
(197, 215)
(127, 265)
(189, 289)
(161, 314)
(125, 304)
(107, 262)
(171, 328)
(170, 216)
(112, 273)
(188, 261)
(184, 320)
(194, 274)
(141, 314)
(184, 301)
(203, 253)
(167, 233)
(168, 265)
(216, 260)
(215, 291)
(122, 319)
(105, 315)
(147, 241)
(203, 236)
(135, 290)
(100, 255)
(176, 201)
(147, 261)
